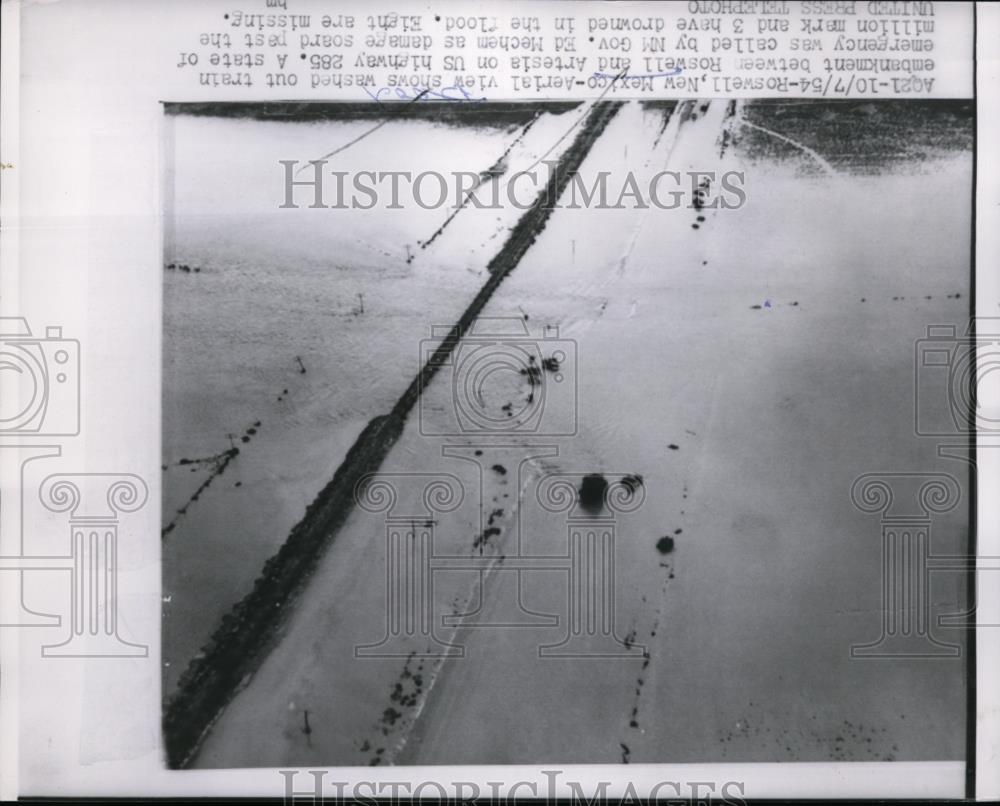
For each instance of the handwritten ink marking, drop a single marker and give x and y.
(404, 94)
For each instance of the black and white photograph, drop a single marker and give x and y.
(585, 401)
(544, 469)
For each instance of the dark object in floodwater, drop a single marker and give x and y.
(533, 373)
(592, 490)
(665, 545)
(632, 482)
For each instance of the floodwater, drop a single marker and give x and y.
(747, 364)
(287, 330)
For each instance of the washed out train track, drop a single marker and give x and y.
(253, 626)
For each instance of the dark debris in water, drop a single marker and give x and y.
(592, 490)
(632, 482)
(533, 374)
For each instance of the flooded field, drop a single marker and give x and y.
(723, 376)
